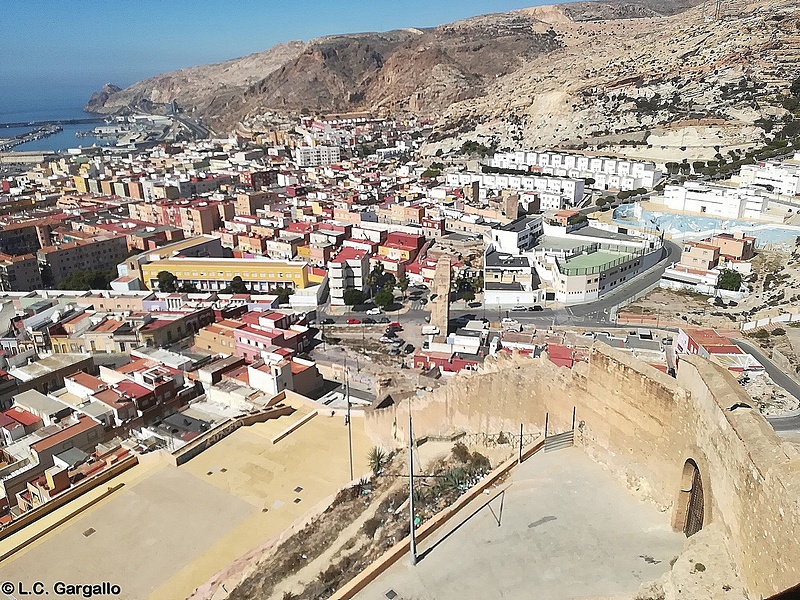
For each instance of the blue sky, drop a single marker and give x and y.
(75, 44)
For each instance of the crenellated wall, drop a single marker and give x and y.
(644, 426)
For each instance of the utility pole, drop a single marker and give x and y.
(349, 426)
(413, 534)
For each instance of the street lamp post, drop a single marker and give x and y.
(413, 533)
(349, 427)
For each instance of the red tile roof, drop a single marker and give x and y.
(84, 424)
(22, 416)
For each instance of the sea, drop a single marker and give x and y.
(41, 102)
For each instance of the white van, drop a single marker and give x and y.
(430, 330)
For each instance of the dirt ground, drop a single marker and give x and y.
(770, 397)
(359, 526)
(774, 287)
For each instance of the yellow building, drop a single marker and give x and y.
(212, 274)
(81, 183)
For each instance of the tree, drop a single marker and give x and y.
(187, 287)
(283, 294)
(167, 282)
(353, 296)
(795, 88)
(468, 296)
(577, 219)
(93, 279)
(238, 286)
(385, 297)
(375, 276)
(403, 284)
(730, 280)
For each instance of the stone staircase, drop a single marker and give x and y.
(559, 441)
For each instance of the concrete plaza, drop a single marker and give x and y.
(170, 529)
(561, 528)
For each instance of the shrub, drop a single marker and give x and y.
(778, 331)
(370, 526)
(461, 453)
(730, 280)
(377, 460)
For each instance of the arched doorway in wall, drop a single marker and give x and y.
(691, 503)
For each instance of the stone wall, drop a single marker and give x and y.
(644, 426)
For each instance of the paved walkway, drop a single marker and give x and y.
(567, 529)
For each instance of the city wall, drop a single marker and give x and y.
(643, 426)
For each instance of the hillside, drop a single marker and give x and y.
(664, 70)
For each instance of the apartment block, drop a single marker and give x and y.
(700, 255)
(734, 246)
(348, 269)
(607, 173)
(19, 273)
(315, 156)
(57, 262)
(570, 189)
(780, 177)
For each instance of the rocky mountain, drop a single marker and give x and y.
(194, 87)
(568, 73)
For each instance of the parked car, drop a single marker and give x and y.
(519, 308)
(409, 348)
(374, 311)
(433, 296)
(353, 321)
(394, 351)
(535, 308)
(398, 342)
(369, 321)
(385, 339)
(390, 333)
(328, 321)
(395, 325)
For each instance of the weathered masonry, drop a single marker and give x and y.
(692, 445)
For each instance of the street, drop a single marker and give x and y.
(787, 422)
(597, 312)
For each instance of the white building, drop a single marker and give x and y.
(716, 200)
(518, 236)
(780, 177)
(315, 156)
(528, 261)
(607, 173)
(348, 269)
(569, 190)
